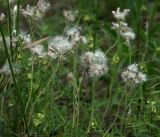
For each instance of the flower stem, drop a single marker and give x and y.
(14, 80)
(10, 27)
(18, 16)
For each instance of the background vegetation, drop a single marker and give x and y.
(48, 103)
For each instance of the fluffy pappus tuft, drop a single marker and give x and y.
(95, 62)
(120, 15)
(58, 46)
(132, 75)
(75, 35)
(70, 15)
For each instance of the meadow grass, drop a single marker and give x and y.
(81, 68)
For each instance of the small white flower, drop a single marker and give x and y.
(120, 15)
(59, 45)
(70, 15)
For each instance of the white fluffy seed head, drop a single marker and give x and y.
(99, 57)
(120, 15)
(132, 75)
(141, 77)
(38, 14)
(133, 67)
(74, 34)
(128, 36)
(122, 27)
(95, 62)
(51, 54)
(73, 30)
(119, 26)
(89, 58)
(70, 15)
(38, 11)
(59, 46)
(86, 58)
(38, 50)
(43, 6)
(126, 32)
(29, 11)
(24, 37)
(97, 70)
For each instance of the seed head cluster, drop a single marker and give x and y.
(132, 75)
(75, 35)
(58, 46)
(120, 15)
(23, 36)
(38, 50)
(122, 27)
(95, 63)
(38, 11)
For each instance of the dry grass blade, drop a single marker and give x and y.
(36, 43)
